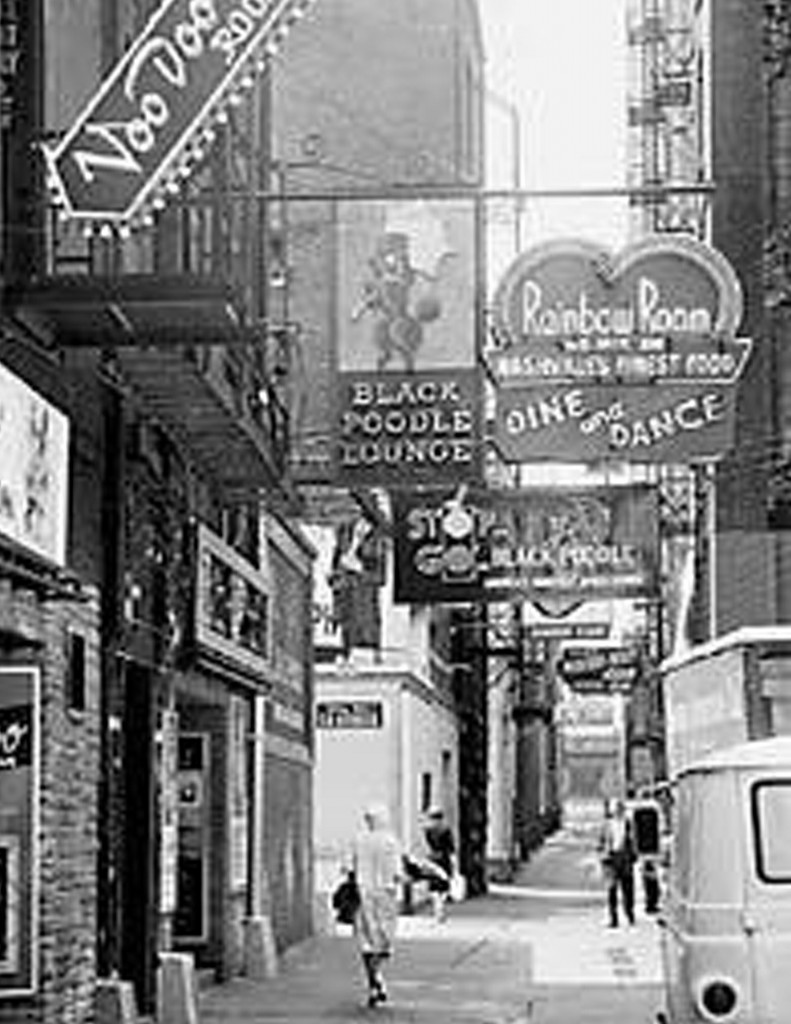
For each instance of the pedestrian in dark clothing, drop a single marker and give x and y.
(618, 853)
(442, 852)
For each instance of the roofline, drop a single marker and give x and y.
(745, 636)
(771, 752)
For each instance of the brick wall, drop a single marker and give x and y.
(68, 828)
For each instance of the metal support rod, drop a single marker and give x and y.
(465, 192)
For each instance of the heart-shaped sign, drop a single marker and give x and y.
(661, 285)
(664, 309)
(629, 356)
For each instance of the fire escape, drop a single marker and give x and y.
(187, 308)
(667, 142)
(668, 146)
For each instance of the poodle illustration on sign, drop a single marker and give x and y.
(635, 355)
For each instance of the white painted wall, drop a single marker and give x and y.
(356, 766)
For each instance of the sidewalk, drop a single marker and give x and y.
(567, 862)
(480, 967)
(536, 952)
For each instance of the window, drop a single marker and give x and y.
(425, 791)
(771, 806)
(75, 671)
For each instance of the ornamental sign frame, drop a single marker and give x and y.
(131, 136)
(632, 355)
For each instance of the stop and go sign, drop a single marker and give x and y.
(134, 130)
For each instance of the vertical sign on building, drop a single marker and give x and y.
(19, 867)
(408, 406)
(239, 797)
(168, 807)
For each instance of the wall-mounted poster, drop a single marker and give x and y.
(34, 469)
(19, 855)
(408, 403)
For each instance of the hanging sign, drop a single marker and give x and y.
(599, 669)
(408, 395)
(633, 356)
(134, 130)
(456, 545)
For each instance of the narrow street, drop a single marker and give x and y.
(537, 951)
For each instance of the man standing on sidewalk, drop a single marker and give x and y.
(618, 854)
(442, 852)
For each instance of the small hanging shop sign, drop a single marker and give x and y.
(634, 356)
(175, 81)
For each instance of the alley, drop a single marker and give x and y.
(537, 951)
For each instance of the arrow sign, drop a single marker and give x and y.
(134, 130)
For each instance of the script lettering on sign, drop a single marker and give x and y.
(136, 127)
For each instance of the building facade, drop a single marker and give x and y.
(155, 595)
(720, 77)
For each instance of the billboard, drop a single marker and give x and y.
(408, 397)
(458, 545)
(34, 470)
(634, 356)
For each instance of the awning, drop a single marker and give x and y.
(238, 436)
(131, 309)
(182, 344)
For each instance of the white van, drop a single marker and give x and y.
(726, 919)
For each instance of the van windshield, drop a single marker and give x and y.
(771, 804)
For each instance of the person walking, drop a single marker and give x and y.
(376, 860)
(442, 852)
(618, 853)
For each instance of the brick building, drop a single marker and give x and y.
(154, 593)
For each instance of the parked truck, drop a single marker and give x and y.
(734, 688)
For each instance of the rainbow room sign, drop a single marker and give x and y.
(407, 396)
(135, 131)
(460, 544)
(634, 355)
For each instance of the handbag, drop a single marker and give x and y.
(458, 887)
(346, 900)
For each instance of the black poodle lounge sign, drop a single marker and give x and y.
(407, 401)
(633, 356)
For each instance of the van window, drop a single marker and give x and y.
(771, 804)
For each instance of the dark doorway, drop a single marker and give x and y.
(138, 941)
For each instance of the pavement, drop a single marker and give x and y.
(534, 951)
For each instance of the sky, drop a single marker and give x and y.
(563, 65)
